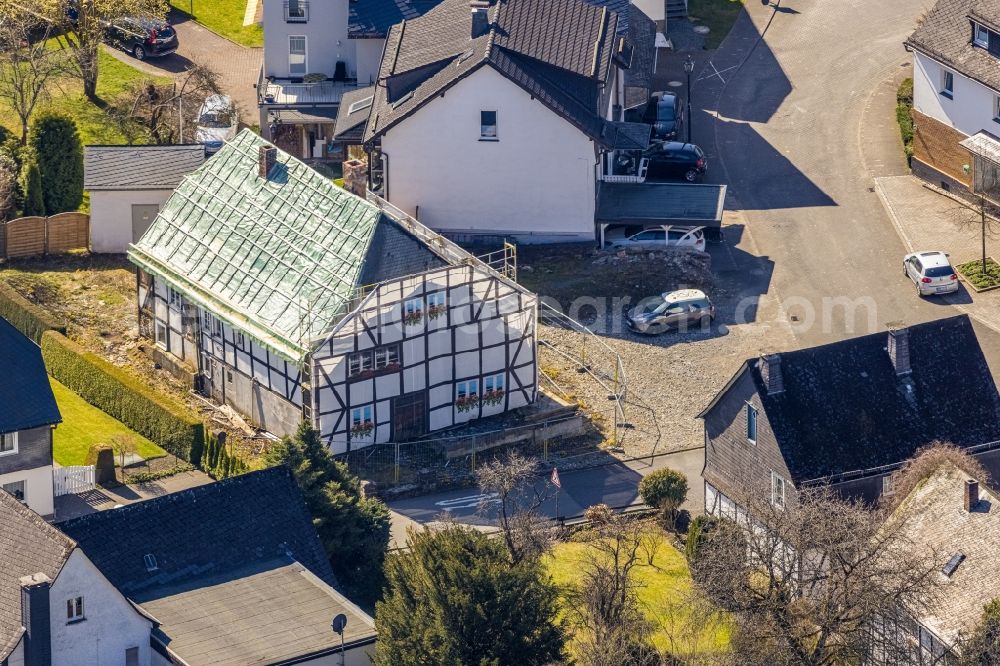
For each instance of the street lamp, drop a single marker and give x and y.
(688, 68)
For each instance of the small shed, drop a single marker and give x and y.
(128, 185)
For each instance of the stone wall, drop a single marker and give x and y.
(935, 145)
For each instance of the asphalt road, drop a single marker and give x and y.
(800, 130)
(616, 485)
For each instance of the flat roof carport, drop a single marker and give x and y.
(661, 204)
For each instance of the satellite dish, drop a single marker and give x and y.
(340, 623)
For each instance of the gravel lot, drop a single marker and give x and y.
(670, 377)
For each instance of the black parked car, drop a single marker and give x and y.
(672, 159)
(663, 111)
(143, 38)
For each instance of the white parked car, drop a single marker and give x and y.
(931, 272)
(217, 122)
(656, 238)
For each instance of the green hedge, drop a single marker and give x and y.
(904, 116)
(25, 315)
(160, 418)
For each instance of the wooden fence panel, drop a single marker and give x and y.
(68, 231)
(37, 236)
(25, 237)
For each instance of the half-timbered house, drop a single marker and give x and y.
(292, 298)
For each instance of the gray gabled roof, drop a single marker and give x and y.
(139, 167)
(353, 114)
(26, 399)
(28, 545)
(661, 203)
(945, 34)
(372, 19)
(559, 51)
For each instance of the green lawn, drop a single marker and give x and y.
(66, 95)
(718, 15)
(224, 17)
(84, 425)
(664, 595)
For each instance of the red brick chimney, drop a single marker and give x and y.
(971, 499)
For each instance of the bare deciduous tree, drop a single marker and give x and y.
(513, 493)
(811, 586)
(167, 113)
(123, 446)
(27, 66)
(979, 216)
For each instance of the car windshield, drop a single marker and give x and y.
(215, 119)
(665, 111)
(663, 307)
(939, 271)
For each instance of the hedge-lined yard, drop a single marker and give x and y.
(114, 391)
(83, 425)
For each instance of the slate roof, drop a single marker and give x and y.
(639, 75)
(26, 399)
(559, 51)
(28, 545)
(934, 518)
(212, 530)
(279, 258)
(139, 167)
(844, 409)
(351, 125)
(945, 35)
(262, 614)
(371, 19)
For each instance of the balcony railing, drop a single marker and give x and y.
(296, 11)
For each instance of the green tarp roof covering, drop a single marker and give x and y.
(278, 258)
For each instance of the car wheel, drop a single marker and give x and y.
(691, 175)
(705, 321)
(139, 53)
(919, 292)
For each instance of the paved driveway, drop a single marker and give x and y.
(236, 66)
(800, 124)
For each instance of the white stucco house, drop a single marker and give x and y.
(56, 608)
(291, 298)
(128, 185)
(504, 118)
(28, 414)
(956, 94)
(315, 51)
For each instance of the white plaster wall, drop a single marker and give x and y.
(971, 106)
(325, 32)
(37, 487)
(654, 9)
(536, 182)
(16, 657)
(112, 624)
(111, 217)
(369, 54)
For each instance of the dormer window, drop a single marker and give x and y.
(981, 35)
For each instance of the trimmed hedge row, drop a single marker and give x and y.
(26, 316)
(160, 418)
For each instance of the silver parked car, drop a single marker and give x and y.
(931, 272)
(675, 309)
(218, 122)
(655, 238)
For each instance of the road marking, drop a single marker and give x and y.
(716, 72)
(468, 502)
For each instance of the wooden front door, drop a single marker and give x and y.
(409, 416)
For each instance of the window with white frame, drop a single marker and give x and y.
(15, 488)
(176, 300)
(493, 389)
(370, 361)
(296, 11)
(362, 423)
(8, 443)
(160, 334)
(947, 84)
(982, 36)
(887, 484)
(74, 609)
(241, 340)
(213, 325)
(777, 491)
(436, 304)
(488, 125)
(413, 311)
(297, 55)
(467, 395)
(751, 424)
